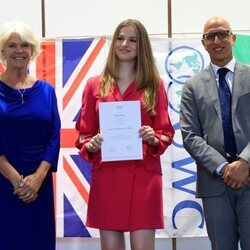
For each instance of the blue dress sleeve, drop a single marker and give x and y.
(52, 152)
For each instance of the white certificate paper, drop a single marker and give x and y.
(119, 126)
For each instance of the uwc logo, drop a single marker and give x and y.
(181, 63)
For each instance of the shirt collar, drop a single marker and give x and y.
(230, 66)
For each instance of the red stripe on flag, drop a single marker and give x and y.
(45, 69)
(82, 190)
(68, 137)
(83, 72)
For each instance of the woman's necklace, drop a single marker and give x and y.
(22, 90)
(22, 95)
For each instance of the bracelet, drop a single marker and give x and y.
(19, 185)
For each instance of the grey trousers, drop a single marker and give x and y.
(228, 219)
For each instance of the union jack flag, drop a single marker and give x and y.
(67, 64)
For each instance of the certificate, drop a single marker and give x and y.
(119, 126)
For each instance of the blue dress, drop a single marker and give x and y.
(29, 133)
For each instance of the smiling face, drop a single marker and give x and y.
(17, 52)
(217, 43)
(126, 44)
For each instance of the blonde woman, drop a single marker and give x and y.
(29, 145)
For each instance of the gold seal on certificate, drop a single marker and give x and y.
(119, 126)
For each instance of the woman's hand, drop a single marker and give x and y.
(148, 135)
(94, 144)
(16, 182)
(29, 187)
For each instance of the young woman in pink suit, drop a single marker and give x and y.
(126, 195)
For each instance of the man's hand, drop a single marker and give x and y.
(236, 174)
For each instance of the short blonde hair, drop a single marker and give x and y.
(24, 31)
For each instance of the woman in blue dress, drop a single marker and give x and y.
(29, 145)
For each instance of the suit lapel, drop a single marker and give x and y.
(114, 91)
(212, 89)
(238, 80)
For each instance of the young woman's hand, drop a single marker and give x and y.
(148, 135)
(94, 144)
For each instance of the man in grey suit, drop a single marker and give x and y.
(215, 126)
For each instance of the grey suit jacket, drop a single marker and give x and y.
(201, 125)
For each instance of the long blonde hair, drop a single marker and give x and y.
(147, 77)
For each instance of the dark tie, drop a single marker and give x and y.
(225, 104)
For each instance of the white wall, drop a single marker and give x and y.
(189, 16)
(99, 17)
(25, 10)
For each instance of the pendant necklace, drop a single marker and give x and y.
(22, 95)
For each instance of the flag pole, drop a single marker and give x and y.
(169, 18)
(43, 46)
(174, 247)
(43, 17)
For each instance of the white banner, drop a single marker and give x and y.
(178, 60)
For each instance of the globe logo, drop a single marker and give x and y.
(183, 62)
(174, 92)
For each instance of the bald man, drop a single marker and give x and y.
(215, 125)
